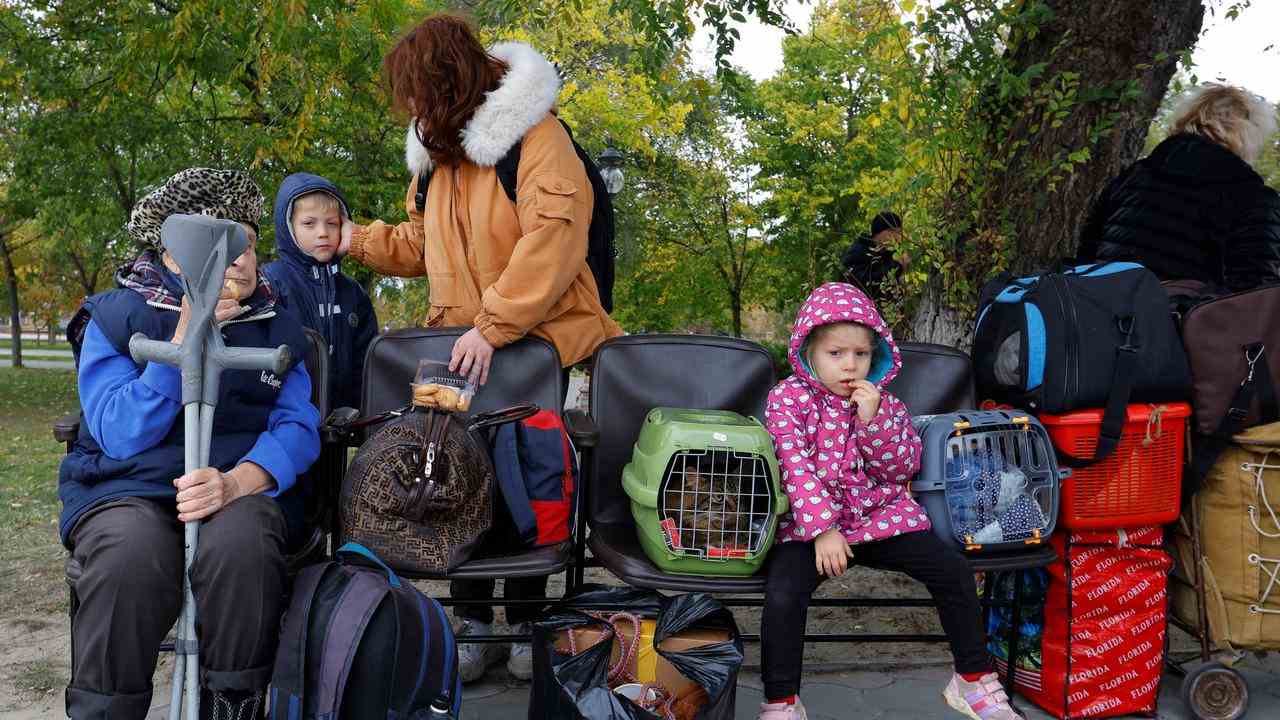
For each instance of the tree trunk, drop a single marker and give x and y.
(1104, 43)
(15, 315)
(935, 322)
(735, 302)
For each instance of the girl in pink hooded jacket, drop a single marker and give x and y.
(847, 452)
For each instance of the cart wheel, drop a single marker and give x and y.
(1215, 692)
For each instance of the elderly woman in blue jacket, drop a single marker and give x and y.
(124, 493)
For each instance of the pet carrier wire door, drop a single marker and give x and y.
(704, 491)
(715, 503)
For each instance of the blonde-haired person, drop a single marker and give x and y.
(1195, 209)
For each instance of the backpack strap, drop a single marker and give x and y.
(512, 485)
(508, 168)
(437, 683)
(1256, 382)
(508, 471)
(360, 598)
(420, 190)
(1117, 410)
(287, 678)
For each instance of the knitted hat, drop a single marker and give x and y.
(225, 194)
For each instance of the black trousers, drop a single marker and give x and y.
(495, 544)
(130, 595)
(499, 541)
(512, 588)
(793, 576)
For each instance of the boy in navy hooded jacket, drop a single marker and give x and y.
(309, 213)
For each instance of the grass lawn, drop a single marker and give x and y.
(28, 344)
(30, 554)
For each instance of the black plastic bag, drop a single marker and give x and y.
(576, 687)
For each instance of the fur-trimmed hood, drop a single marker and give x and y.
(526, 94)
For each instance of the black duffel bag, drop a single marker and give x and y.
(1092, 336)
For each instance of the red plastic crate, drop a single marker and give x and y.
(1139, 484)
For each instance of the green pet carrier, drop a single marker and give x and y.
(704, 491)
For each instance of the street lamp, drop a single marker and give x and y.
(611, 170)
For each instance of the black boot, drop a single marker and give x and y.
(230, 705)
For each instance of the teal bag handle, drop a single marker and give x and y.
(356, 548)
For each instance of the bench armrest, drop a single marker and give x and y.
(334, 428)
(67, 428)
(581, 428)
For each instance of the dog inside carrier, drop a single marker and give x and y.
(989, 480)
(704, 491)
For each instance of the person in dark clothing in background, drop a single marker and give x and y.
(868, 262)
(1194, 209)
(309, 213)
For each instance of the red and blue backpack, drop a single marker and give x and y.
(537, 474)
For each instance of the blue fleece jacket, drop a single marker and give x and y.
(131, 430)
(326, 300)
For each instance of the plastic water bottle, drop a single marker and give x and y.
(961, 498)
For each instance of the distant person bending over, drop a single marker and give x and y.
(869, 263)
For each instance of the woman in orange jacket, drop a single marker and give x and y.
(506, 269)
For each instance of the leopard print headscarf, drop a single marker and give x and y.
(225, 194)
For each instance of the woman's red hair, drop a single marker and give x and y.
(439, 73)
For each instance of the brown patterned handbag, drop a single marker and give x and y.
(420, 491)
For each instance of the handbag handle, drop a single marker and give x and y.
(481, 420)
(514, 413)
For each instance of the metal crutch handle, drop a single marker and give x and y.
(277, 360)
(145, 350)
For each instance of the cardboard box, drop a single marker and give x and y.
(648, 665)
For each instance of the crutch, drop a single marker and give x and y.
(203, 247)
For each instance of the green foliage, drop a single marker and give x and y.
(740, 196)
(665, 26)
(1268, 164)
(109, 99)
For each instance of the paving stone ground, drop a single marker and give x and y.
(913, 694)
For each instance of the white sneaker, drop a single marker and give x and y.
(520, 664)
(475, 658)
(982, 700)
(782, 711)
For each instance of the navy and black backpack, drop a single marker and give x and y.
(601, 250)
(1090, 336)
(358, 643)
